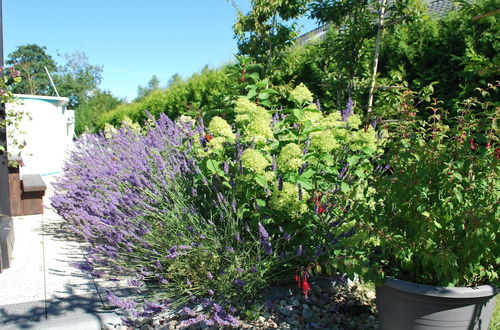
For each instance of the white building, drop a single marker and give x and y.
(47, 128)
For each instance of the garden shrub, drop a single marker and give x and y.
(439, 198)
(202, 92)
(297, 171)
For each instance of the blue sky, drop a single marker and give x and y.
(131, 40)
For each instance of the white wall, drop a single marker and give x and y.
(49, 133)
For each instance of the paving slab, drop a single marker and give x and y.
(42, 288)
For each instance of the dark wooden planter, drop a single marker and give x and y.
(16, 207)
(33, 190)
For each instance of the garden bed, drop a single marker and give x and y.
(330, 305)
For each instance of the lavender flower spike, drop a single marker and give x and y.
(348, 111)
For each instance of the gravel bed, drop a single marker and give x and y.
(330, 305)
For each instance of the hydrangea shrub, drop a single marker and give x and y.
(297, 171)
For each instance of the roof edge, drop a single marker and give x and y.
(59, 101)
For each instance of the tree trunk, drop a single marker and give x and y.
(376, 55)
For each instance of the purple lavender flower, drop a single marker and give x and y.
(229, 249)
(286, 236)
(343, 172)
(84, 266)
(273, 166)
(211, 292)
(306, 148)
(264, 240)
(118, 302)
(348, 111)
(318, 105)
(319, 251)
(210, 276)
(226, 167)
(153, 308)
(240, 283)
(188, 311)
(238, 237)
(262, 231)
(134, 282)
(240, 270)
(275, 119)
(280, 183)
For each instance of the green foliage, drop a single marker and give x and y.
(89, 112)
(9, 119)
(456, 52)
(201, 93)
(31, 61)
(436, 216)
(77, 79)
(264, 33)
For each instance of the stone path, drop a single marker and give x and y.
(42, 286)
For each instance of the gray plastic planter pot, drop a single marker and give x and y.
(405, 306)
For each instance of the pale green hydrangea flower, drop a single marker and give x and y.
(270, 176)
(135, 127)
(354, 121)
(287, 200)
(216, 143)
(256, 121)
(323, 141)
(109, 131)
(187, 120)
(220, 128)
(246, 110)
(333, 120)
(290, 158)
(313, 114)
(364, 139)
(254, 161)
(301, 94)
(258, 130)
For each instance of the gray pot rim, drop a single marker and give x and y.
(482, 291)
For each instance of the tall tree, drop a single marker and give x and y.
(31, 60)
(78, 79)
(265, 32)
(356, 24)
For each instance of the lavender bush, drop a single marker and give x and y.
(146, 210)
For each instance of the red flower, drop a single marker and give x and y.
(321, 210)
(305, 287)
(472, 144)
